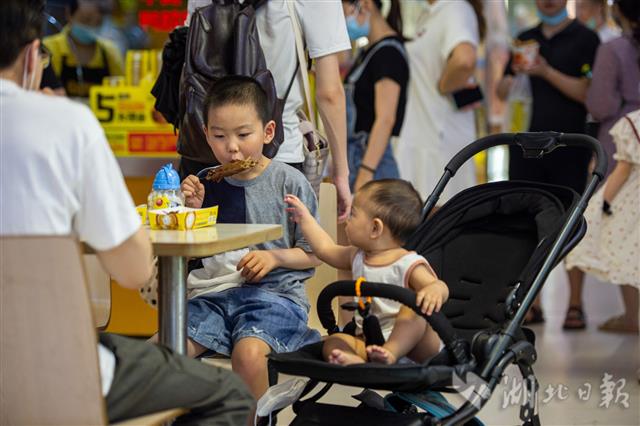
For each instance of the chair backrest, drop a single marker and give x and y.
(325, 274)
(99, 284)
(48, 349)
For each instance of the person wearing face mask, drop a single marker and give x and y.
(81, 58)
(376, 90)
(593, 14)
(55, 155)
(560, 77)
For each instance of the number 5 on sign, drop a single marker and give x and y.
(105, 107)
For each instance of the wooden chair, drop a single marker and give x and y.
(99, 285)
(48, 347)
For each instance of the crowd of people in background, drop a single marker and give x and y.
(586, 71)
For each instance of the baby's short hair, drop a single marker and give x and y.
(396, 203)
(237, 90)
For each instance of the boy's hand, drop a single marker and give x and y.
(431, 297)
(193, 191)
(298, 212)
(256, 265)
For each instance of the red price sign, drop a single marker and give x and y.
(162, 15)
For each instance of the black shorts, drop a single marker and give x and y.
(564, 166)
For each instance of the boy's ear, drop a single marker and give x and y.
(269, 131)
(376, 228)
(206, 131)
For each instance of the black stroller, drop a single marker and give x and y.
(494, 245)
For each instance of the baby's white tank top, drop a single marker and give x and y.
(396, 273)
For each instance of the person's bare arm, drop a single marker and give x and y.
(459, 68)
(321, 243)
(130, 263)
(256, 264)
(387, 94)
(504, 87)
(616, 179)
(332, 107)
(432, 293)
(572, 87)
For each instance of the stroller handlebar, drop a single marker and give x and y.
(437, 320)
(534, 145)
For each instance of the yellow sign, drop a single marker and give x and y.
(126, 111)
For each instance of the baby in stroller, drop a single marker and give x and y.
(384, 214)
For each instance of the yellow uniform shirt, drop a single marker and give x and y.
(76, 80)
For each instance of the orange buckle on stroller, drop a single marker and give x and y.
(359, 282)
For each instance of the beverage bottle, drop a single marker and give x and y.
(166, 191)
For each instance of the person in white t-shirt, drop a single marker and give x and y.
(325, 35)
(54, 153)
(442, 60)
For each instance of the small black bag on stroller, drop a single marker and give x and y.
(494, 245)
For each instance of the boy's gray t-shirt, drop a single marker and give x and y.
(264, 203)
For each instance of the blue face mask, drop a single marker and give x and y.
(84, 34)
(356, 30)
(555, 19)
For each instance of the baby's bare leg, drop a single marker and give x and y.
(427, 346)
(407, 332)
(344, 349)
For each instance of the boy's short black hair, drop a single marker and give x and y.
(396, 203)
(21, 22)
(237, 90)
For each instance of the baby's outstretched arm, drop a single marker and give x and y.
(321, 243)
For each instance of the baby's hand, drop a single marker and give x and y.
(193, 191)
(431, 297)
(255, 265)
(298, 212)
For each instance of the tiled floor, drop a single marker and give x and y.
(568, 362)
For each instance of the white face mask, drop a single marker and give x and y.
(30, 85)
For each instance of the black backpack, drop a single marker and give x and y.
(166, 89)
(223, 40)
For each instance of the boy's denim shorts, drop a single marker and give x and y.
(218, 320)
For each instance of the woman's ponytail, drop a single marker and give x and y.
(394, 17)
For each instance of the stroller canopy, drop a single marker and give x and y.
(487, 239)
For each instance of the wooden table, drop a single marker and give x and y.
(173, 248)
